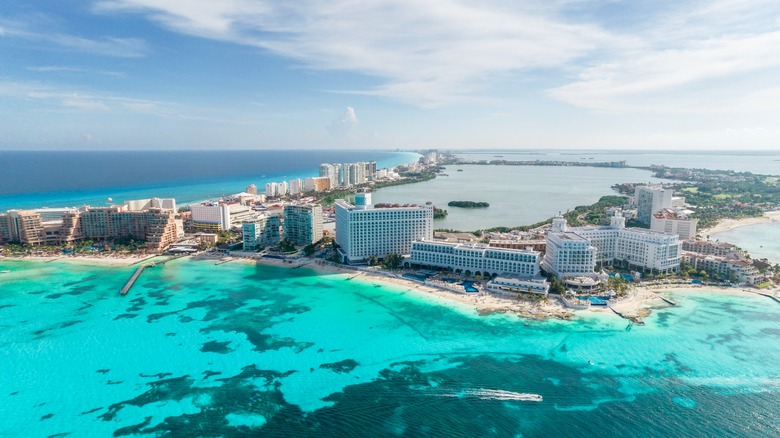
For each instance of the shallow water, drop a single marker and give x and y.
(199, 349)
(760, 240)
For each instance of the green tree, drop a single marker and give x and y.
(393, 261)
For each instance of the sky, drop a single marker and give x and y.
(379, 74)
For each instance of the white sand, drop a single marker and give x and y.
(100, 260)
(730, 224)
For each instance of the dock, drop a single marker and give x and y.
(666, 299)
(772, 296)
(140, 271)
(635, 319)
(132, 279)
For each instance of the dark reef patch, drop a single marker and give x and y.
(134, 429)
(158, 375)
(125, 316)
(70, 323)
(344, 366)
(207, 374)
(216, 347)
(91, 411)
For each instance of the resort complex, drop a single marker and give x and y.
(151, 221)
(474, 258)
(575, 251)
(364, 230)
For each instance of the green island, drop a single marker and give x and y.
(468, 204)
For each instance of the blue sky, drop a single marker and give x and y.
(235, 74)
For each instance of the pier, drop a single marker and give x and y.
(140, 270)
(132, 279)
(772, 296)
(666, 299)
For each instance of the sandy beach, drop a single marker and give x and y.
(95, 260)
(481, 303)
(638, 304)
(730, 224)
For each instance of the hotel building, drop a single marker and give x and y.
(742, 270)
(214, 217)
(514, 284)
(364, 230)
(573, 252)
(649, 199)
(303, 223)
(316, 184)
(477, 258)
(670, 222)
(155, 226)
(260, 231)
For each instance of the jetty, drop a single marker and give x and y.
(140, 271)
(667, 300)
(132, 279)
(635, 319)
(772, 296)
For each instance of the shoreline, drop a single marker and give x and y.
(640, 303)
(481, 303)
(94, 260)
(730, 224)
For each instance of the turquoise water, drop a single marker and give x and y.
(760, 240)
(202, 350)
(64, 179)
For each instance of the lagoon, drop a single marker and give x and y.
(518, 195)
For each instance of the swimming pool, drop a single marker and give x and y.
(469, 286)
(417, 277)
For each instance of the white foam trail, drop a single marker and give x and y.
(495, 394)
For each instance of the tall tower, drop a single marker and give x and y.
(363, 199)
(559, 224)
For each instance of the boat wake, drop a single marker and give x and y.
(495, 394)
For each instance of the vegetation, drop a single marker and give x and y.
(329, 197)
(719, 195)
(286, 246)
(468, 204)
(393, 261)
(595, 213)
(439, 213)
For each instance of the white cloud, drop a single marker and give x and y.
(105, 46)
(67, 69)
(429, 53)
(345, 126)
(701, 57)
(642, 83)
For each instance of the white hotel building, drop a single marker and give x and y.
(475, 257)
(364, 230)
(573, 252)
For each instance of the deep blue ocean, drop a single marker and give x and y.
(75, 178)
